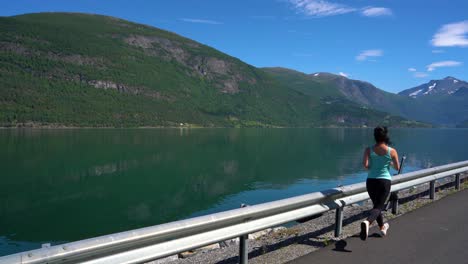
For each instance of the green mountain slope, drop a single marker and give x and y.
(447, 109)
(90, 70)
(337, 106)
(367, 94)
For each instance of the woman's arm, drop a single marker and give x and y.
(365, 159)
(395, 162)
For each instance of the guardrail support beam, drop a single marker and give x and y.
(457, 181)
(432, 190)
(338, 221)
(244, 245)
(244, 249)
(394, 202)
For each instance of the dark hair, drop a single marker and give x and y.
(381, 135)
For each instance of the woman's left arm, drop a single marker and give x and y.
(395, 162)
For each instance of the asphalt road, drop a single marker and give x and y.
(435, 233)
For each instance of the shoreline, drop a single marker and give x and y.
(198, 127)
(35, 125)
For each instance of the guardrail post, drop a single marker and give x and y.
(244, 246)
(338, 221)
(457, 181)
(394, 202)
(244, 249)
(432, 190)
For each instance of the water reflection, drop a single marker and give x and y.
(63, 185)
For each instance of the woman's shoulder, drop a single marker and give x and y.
(392, 151)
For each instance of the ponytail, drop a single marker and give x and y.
(381, 135)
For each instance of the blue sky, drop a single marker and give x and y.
(394, 44)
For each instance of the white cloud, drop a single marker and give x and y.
(435, 65)
(344, 74)
(452, 35)
(200, 21)
(411, 69)
(369, 53)
(320, 8)
(438, 51)
(420, 75)
(376, 11)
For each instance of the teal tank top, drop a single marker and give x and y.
(379, 166)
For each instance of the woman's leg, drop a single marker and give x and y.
(380, 220)
(378, 190)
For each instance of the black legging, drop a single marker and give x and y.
(378, 190)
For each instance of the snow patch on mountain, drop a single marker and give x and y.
(415, 93)
(448, 86)
(430, 88)
(454, 91)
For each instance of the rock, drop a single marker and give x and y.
(209, 247)
(279, 228)
(252, 236)
(260, 233)
(190, 253)
(164, 260)
(187, 254)
(233, 241)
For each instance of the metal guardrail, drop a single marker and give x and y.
(150, 243)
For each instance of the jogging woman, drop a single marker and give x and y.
(378, 159)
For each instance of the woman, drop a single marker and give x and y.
(378, 159)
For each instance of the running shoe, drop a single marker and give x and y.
(364, 230)
(384, 229)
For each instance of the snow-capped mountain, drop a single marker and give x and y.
(446, 86)
(443, 102)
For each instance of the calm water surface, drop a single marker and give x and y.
(64, 185)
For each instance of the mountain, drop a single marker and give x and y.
(446, 100)
(462, 91)
(447, 86)
(442, 102)
(340, 105)
(69, 69)
(364, 93)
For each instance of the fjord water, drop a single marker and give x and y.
(65, 185)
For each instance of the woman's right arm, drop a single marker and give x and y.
(365, 159)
